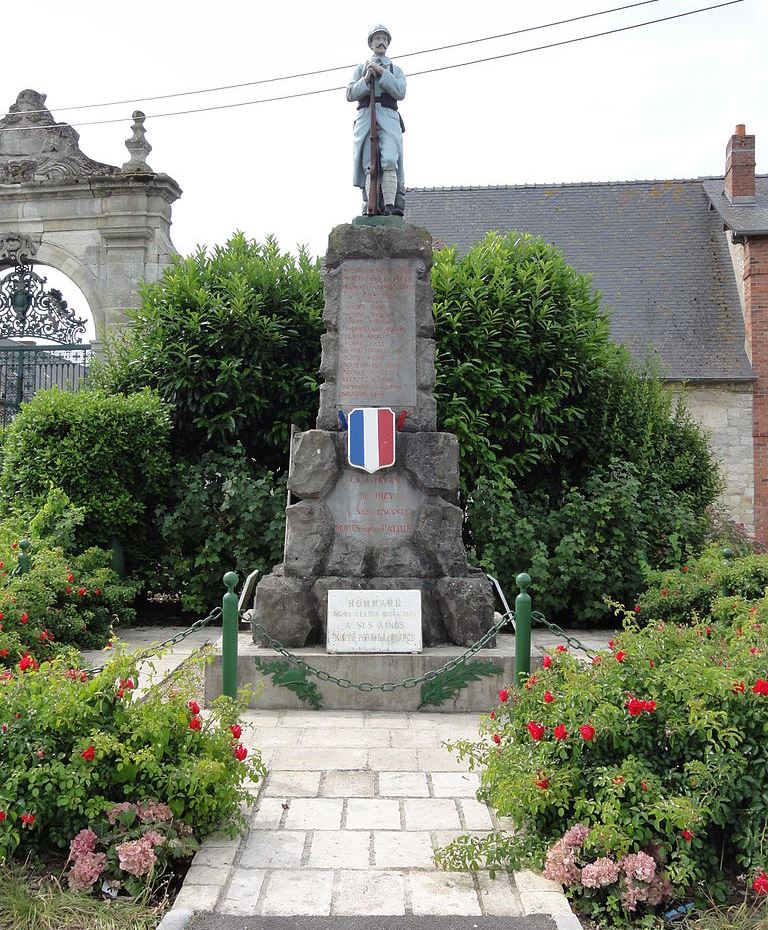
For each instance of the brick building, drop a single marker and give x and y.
(682, 265)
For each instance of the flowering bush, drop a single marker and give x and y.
(131, 846)
(645, 775)
(63, 599)
(73, 747)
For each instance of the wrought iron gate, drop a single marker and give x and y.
(27, 310)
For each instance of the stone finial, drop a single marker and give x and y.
(137, 146)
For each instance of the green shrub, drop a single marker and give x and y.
(73, 747)
(108, 453)
(226, 514)
(230, 339)
(658, 748)
(64, 599)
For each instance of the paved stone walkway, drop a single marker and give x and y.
(355, 804)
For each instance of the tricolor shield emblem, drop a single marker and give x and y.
(371, 438)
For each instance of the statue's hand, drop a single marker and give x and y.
(375, 68)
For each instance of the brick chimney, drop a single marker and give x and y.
(740, 167)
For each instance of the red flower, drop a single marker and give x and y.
(2, 816)
(67, 590)
(530, 682)
(637, 608)
(97, 590)
(618, 780)
(610, 644)
(194, 707)
(587, 732)
(27, 819)
(760, 686)
(3, 653)
(649, 706)
(548, 697)
(560, 731)
(70, 577)
(23, 618)
(597, 659)
(493, 715)
(236, 730)
(760, 884)
(635, 707)
(684, 568)
(687, 835)
(195, 723)
(738, 687)
(644, 785)
(561, 648)
(547, 662)
(542, 783)
(620, 656)
(82, 592)
(240, 752)
(536, 730)
(503, 695)
(88, 754)
(651, 663)
(754, 651)
(496, 738)
(27, 662)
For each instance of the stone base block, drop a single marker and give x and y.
(286, 609)
(478, 696)
(465, 606)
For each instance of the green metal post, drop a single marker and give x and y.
(727, 555)
(229, 637)
(24, 562)
(522, 629)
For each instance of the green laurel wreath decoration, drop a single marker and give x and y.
(294, 679)
(446, 685)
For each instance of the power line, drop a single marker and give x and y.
(463, 64)
(303, 74)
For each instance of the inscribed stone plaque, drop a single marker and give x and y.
(378, 509)
(374, 621)
(377, 334)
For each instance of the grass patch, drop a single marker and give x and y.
(32, 902)
(739, 917)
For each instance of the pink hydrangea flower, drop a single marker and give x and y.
(153, 837)
(155, 812)
(576, 835)
(82, 844)
(86, 870)
(639, 866)
(601, 872)
(137, 857)
(119, 809)
(561, 864)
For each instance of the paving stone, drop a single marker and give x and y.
(476, 814)
(243, 892)
(291, 892)
(414, 739)
(455, 784)
(369, 893)
(293, 785)
(198, 897)
(443, 893)
(203, 874)
(268, 815)
(314, 814)
(389, 721)
(440, 760)
(498, 896)
(544, 902)
(339, 849)
(326, 720)
(356, 738)
(431, 814)
(271, 849)
(402, 850)
(372, 814)
(221, 838)
(308, 760)
(428, 720)
(269, 737)
(347, 785)
(531, 882)
(403, 785)
(215, 856)
(393, 760)
(567, 922)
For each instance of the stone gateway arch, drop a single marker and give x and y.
(106, 228)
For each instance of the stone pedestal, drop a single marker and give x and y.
(399, 528)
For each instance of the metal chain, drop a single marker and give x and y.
(384, 685)
(539, 617)
(179, 637)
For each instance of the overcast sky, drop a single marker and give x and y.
(655, 102)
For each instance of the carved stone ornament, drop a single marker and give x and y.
(138, 147)
(17, 248)
(34, 147)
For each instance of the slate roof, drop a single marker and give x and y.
(656, 251)
(743, 219)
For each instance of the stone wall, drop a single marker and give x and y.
(725, 412)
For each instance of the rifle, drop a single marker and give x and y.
(373, 184)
